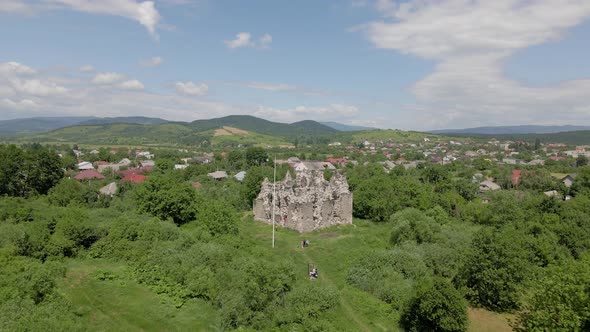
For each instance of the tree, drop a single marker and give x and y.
(581, 161)
(23, 173)
(413, 225)
(167, 197)
(252, 182)
(560, 300)
(436, 306)
(219, 218)
(496, 268)
(256, 156)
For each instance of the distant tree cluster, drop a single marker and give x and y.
(25, 172)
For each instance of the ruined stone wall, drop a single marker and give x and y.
(307, 203)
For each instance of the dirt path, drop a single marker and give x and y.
(347, 307)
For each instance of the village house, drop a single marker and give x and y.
(218, 175)
(488, 185)
(85, 165)
(90, 174)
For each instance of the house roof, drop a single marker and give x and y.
(218, 175)
(135, 178)
(130, 171)
(110, 189)
(490, 185)
(85, 165)
(89, 174)
(240, 176)
(336, 160)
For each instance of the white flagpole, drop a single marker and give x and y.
(274, 194)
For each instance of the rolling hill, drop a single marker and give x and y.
(345, 127)
(569, 137)
(252, 123)
(38, 125)
(245, 130)
(506, 130)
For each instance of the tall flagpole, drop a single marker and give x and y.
(274, 194)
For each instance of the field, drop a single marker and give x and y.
(117, 302)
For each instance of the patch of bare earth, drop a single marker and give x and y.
(222, 132)
(235, 131)
(481, 320)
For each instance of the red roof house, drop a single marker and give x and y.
(89, 175)
(135, 178)
(130, 171)
(336, 160)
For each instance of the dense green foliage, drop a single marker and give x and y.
(435, 244)
(25, 172)
(436, 306)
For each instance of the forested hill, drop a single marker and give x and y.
(229, 130)
(252, 123)
(39, 125)
(570, 137)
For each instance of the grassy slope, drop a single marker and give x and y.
(122, 304)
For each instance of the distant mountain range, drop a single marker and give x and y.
(28, 126)
(344, 127)
(508, 130)
(229, 130)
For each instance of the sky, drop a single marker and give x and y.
(412, 64)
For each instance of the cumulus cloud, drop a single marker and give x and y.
(153, 62)
(24, 104)
(470, 40)
(107, 78)
(144, 12)
(87, 69)
(329, 112)
(265, 40)
(132, 85)
(270, 86)
(244, 39)
(15, 68)
(37, 87)
(191, 89)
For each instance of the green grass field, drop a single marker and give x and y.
(122, 304)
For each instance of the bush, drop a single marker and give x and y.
(435, 306)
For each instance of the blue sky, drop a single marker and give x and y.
(415, 64)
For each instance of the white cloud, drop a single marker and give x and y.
(153, 62)
(265, 40)
(321, 113)
(25, 104)
(15, 68)
(270, 86)
(471, 40)
(87, 69)
(132, 85)
(144, 12)
(244, 39)
(107, 78)
(15, 6)
(6, 91)
(191, 89)
(37, 87)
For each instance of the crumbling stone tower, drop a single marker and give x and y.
(308, 203)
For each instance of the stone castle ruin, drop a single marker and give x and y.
(307, 203)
